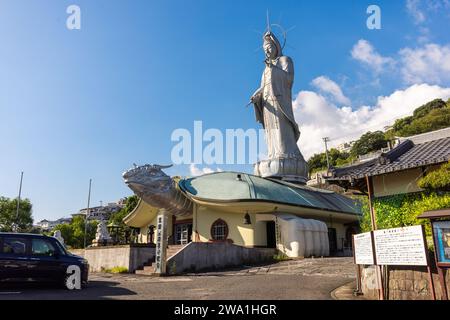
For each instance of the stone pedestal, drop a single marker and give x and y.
(102, 242)
(288, 169)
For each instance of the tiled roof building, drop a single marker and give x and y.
(397, 170)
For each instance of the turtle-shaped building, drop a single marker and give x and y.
(243, 209)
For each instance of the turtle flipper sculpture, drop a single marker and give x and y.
(157, 189)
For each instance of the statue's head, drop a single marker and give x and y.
(147, 179)
(271, 46)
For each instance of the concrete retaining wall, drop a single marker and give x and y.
(404, 283)
(201, 256)
(130, 257)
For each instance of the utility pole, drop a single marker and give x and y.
(326, 139)
(16, 225)
(87, 213)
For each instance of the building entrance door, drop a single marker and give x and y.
(271, 237)
(332, 238)
(183, 233)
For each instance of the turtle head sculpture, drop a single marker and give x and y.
(148, 179)
(157, 189)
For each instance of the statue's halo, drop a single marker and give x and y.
(283, 32)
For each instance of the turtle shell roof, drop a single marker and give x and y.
(237, 186)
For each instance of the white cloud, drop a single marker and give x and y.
(430, 63)
(196, 171)
(318, 117)
(330, 87)
(413, 8)
(364, 52)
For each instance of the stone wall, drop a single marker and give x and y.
(202, 256)
(404, 283)
(130, 257)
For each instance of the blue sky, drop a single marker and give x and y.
(80, 104)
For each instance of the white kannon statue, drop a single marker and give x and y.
(273, 109)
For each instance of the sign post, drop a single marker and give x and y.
(161, 242)
(373, 220)
(394, 247)
(362, 254)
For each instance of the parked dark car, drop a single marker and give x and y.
(33, 257)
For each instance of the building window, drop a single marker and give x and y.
(219, 230)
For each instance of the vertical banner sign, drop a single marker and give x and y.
(363, 248)
(161, 242)
(400, 247)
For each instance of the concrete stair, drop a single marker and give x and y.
(149, 267)
(173, 249)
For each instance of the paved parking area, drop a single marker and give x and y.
(302, 279)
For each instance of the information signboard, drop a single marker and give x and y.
(363, 248)
(400, 246)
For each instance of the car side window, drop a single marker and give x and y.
(14, 245)
(42, 247)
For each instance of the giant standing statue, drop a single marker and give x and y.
(273, 109)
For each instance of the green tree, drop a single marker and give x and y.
(431, 116)
(117, 218)
(8, 215)
(130, 203)
(318, 161)
(368, 142)
(74, 232)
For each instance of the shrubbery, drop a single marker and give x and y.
(437, 180)
(402, 210)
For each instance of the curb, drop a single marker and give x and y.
(345, 292)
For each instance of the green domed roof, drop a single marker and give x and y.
(236, 186)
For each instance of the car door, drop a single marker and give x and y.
(45, 257)
(13, 257)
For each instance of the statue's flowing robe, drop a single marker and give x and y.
(273, 109)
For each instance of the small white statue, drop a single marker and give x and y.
(58, 236)
(102, 232)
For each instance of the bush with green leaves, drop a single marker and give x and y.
(402, 210)
(115, 270)
(437, 180)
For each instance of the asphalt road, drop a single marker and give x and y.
(286, 281)
(240, 287)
